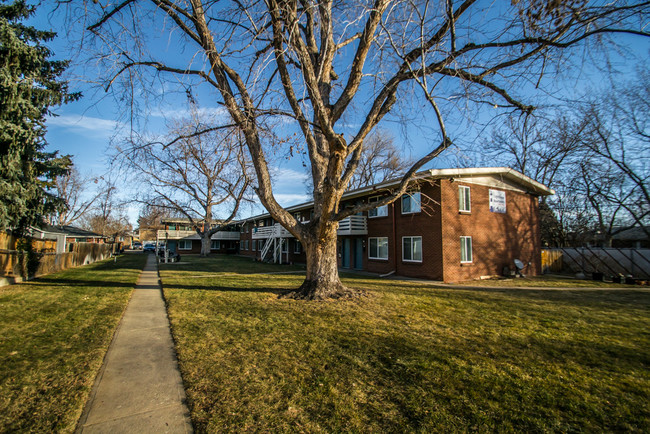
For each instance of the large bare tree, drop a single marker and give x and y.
(618, 138)
(72, 188)
(333, 71)
(204, 177)
(107, 216)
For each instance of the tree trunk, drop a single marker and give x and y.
(205, 243)
(322, 279)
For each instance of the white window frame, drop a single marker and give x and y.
(464, 199)
(285, 246)
(412, 249)
(216, 243)
(370, 252)
(382, 211)
(297, 247)
(254, 245)
(411, 195)
(182, 243)
(465, 242)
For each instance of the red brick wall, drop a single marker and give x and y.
(397, 225)
(497, 239)
(427, 224)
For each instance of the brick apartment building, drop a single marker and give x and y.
(454, 224)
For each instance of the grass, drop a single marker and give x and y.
(545, 281)
(406, 358)
(55, 332)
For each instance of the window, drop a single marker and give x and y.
(411, 202)
(254, 245)
(297, 247)
(378, 248)
(215, 245)
(382, 211)
(184, 244)
(464, 204)
(412, 249)
(465, 250)
(285, 245)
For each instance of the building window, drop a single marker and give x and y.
(215, 245)
(285, 245)
(465, 250)
(412, 249)
(382, 211)
(184, 244)
(254, 245)
(378, 248)
(297, 248)
(464, 204)
(411, 202)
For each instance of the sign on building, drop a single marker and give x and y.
(498, 201)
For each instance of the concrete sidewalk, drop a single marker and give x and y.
(139, 387)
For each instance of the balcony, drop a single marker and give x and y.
(174, 234)
(179, 235)
(225, 235)
(275, 231)
(353, 225)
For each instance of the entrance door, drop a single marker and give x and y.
(358, 253)
(345, 254)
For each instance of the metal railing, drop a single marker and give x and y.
(274, 231)
(353, 225)
(174, 234)
(180, 234)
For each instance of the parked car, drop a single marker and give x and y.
(137, 245)
(149, 247)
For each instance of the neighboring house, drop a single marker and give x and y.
(182, 238)
(66, 235)
(454, 224)
(632, 238)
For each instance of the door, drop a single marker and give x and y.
(345, 255)
(358, 253)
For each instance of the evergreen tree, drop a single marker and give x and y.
(29, 87)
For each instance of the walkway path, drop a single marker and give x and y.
(139, 387)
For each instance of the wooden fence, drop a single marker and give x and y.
(608, 261)
(11, 264)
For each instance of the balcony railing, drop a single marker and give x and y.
(226, 235)
(271, 232)
(174, 234)
(178, 235)
(353, 225)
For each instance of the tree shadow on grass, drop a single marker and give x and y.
(225, 288)
(577, 297)
(70, 283)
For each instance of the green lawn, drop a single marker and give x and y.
(407, 357)
(54, 333)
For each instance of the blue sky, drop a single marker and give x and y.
(85, 128)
